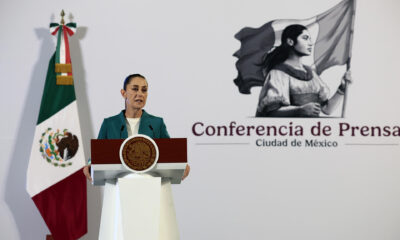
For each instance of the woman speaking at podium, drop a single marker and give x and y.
(135, 120)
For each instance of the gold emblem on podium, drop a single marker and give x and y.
(139, 153)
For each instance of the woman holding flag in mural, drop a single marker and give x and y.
(292, 89)
(271, 56)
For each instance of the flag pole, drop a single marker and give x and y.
(62, 14)
(348, 63)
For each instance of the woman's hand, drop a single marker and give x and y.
(87, 172)
(311, 109)
(186, 173)
(346, 79)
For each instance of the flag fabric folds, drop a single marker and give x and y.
(330, 31)
(55, 180)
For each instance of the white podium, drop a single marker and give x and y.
(138, 205)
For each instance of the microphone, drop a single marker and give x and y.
(152, 130)
(120, 132)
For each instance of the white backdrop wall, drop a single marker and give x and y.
(185, 48)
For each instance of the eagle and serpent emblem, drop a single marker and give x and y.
(58, 147)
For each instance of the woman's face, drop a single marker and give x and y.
(304, 44)
(136, 93)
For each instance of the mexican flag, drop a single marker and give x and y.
(55, 180)
(331, 33)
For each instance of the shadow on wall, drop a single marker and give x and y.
(27, 218)
(94, 195)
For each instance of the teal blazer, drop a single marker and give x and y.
(115, 127)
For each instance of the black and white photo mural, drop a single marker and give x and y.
(286, 58)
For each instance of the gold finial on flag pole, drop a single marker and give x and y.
(62, 17)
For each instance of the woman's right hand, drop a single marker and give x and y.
(311, 109)
(87, 172)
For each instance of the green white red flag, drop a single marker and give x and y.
(330, 31)
(55, 180)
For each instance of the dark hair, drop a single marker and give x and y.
(281, 53)
(130, 77)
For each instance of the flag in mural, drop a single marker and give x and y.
(55, 180)
(330, 31)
